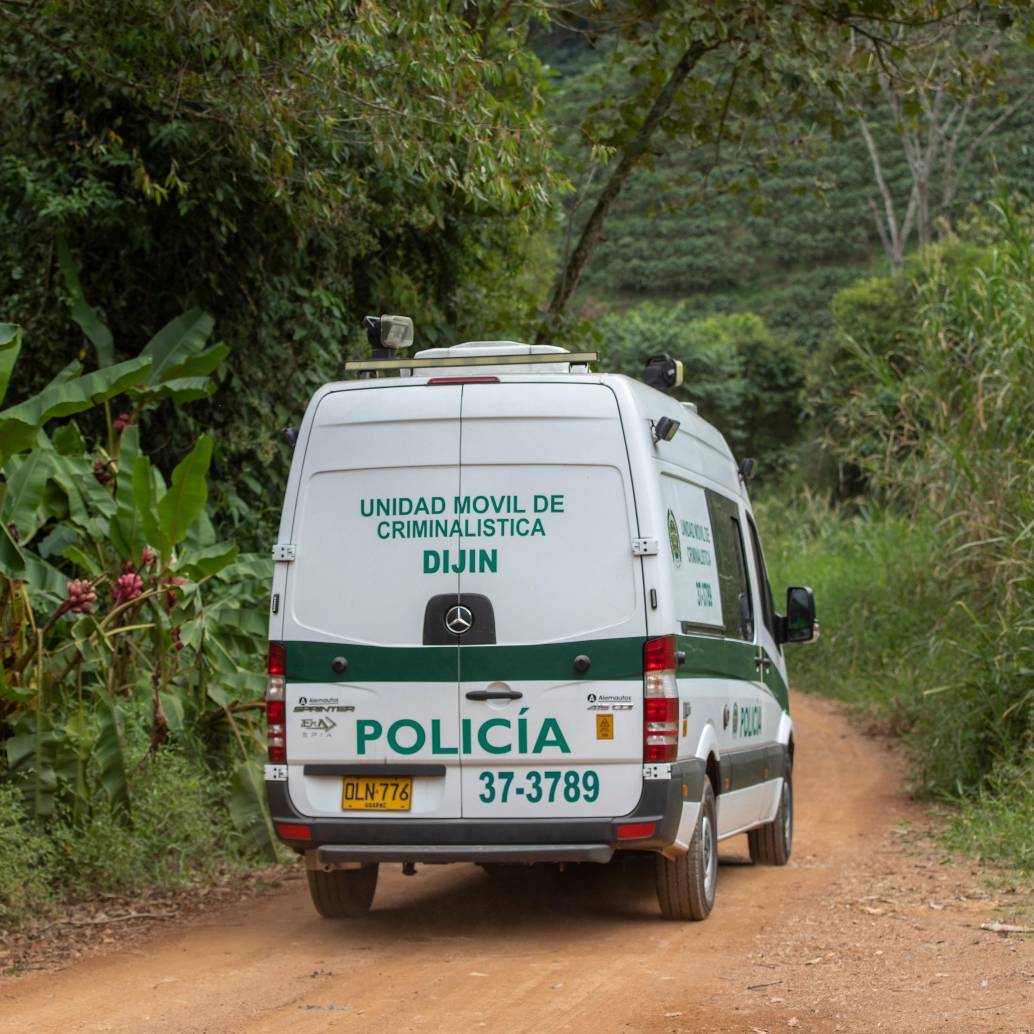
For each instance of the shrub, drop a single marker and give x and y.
(876, 591)
(996, 822)
(742, 377)
(179, 829)
(28, 863)
(927, 596)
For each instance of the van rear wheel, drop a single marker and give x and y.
(342, 893)
(772, 843)
(686, 885)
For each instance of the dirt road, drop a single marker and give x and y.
(864, 931)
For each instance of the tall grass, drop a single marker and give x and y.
(927, 594)
(179, 833)
(874, 576)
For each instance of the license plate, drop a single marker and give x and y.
(377, 793)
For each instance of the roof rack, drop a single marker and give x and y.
(473, 360)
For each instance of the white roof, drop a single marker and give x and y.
(487, 348)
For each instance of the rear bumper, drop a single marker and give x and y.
(501, 840)
(436, 853)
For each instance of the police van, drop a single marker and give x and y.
(520, 614)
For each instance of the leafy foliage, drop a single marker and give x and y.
(128, 629)
(929, 607)
(26, 862)
(776, 228)
(285, 167)
(742, 378)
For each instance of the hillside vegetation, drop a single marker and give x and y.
(783, 249)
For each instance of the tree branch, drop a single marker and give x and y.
(888, 228)
(570, 274)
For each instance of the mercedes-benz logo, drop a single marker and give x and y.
(458, 620)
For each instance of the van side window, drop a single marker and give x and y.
(767, 607)
(733, 584)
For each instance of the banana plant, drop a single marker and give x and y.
(93, 561)
(118, 603)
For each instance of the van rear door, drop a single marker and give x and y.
(372, 712)
(551, 670)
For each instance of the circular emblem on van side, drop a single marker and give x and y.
(673, 539)
(459, 620)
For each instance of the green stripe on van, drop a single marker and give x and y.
(311, 662)
(612, 660)
(729, 659)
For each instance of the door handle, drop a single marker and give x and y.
(494, 694)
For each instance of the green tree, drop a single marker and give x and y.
(742, 378)
(947, 72)
(287, 167)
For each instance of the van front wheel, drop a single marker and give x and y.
(772, 843)
(342, 893)
(686, 885)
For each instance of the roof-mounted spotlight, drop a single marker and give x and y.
(665, 429)
(388, 334)
(663, 373)
(746, 469)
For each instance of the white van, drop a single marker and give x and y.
(520, 614)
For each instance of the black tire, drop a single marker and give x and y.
(772, 843)
(343, 893)
(686, 885)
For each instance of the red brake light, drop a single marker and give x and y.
(659, 654)
(660, 700)
(463, 380)
(661, 709)
(655, 752)
(294, 831)
(636, 830)
(276, 719)
(276, 659)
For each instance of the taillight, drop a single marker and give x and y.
(276, 659)
(636, 830)
(294, 831)
(659, 654)
(276, 709)
(660, 700)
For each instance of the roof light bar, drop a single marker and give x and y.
(572, 358)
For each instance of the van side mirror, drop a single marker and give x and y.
(799, 624)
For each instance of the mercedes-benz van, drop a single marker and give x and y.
(520, 614)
